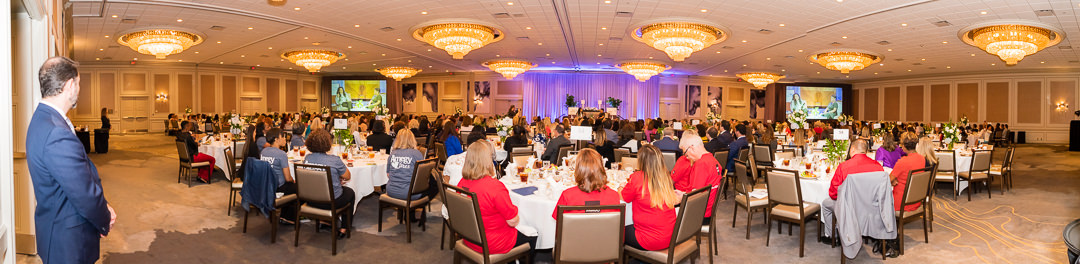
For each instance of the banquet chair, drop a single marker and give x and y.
(527, 150)
(1004, 170)
(687, 226)
(237, 183)
(669, 160)
(422, 142)
(786, 204)
(721, 157)
(979, 172)
(629, 162)
(915, 192)
(929, 203)
(279, 202)
(314, 184)
(446, 216)
(241, 151)
(743, 187)
(440, 152)
(638, 135)
(520, 159)
(564, 151)
(763, 156)
(424, 152)
(620, 153)
(186, 163)
(405, 207)
(709, 230)
(946, 170)
(592, 234)
(465, 221)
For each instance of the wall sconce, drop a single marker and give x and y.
(1062, 106)
(162, 97)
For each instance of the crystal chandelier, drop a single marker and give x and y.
(845, 60)
(312, 59)
(509, 68)
(679, 39)
(160, 42)
(1011, 40)
(457, 38)
(760, 79)
(643, 70)
(398, 73)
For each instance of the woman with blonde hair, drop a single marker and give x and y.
(500, 216)
(926, 149)
(400, 165)
(591, 179)
(653, 196)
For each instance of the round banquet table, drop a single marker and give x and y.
(366, 173)
(216, 149)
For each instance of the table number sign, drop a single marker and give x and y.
(841, 134)
(581, 133)
(341, 123)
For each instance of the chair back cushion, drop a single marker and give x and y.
(521, 159)
(464, 214)
(945, 161)
(742, 183)
(669, 160)
(629, 162)
(980, 160)
(783, 187)
(422, 176)
(313, 183)
(620, 153)
(230, 160)
(564, 151)
(528, 150)
(721, 156)
(440, 151)
(790, 154)
(181, 151)
(762, 153)
(918, 184)
(591, 236)
(744, 154)
(692, 212)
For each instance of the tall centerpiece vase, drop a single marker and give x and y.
(800, 137)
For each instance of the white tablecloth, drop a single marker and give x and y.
(217, 150)
(366, 174)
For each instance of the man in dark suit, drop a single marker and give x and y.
(737, 145)
(551, 151)
(714, 141)
(72, 214)
(725, 137)
(668, 142)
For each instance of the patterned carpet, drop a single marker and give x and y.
(165, 222)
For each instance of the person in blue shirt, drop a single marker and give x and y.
(319, 143)
(279, 161)
(450, 139)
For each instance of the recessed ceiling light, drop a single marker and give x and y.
(844, 37)
(106, 36)
(839, 1)
(350, 47)
(973, 54)
(258, 65)
(196, 52)
(296, 8)
(180, 60)
(881, 64)
(243, 56)
(179, 20)
(509, 3)
(423, 12)
(993, 64)
(135, 58)
(718, 51)
(768, 58)
(1042, 62)
(903, 24)
(553, 62)
(603, 28)
(97, 58)
(101, 49)
(875, 73)
(704, 10)
(889, 50)
(528, 27)
(597, 63)
(305, 37)
(725, 70)
(221, 62)
(607, 1)
(115, 16)
(428, 49)
(410, 60)
(948, 67)
(398, 39)
(540, 44)
(598, 55)
(800, 50)
(782, 25)
(250, 28)
(601, 44)
(650, 58)
(983, 12)
(372, 64)
(944, 42)
(269, 47)
(924, 59)
(384, 54)
(744, 41)
(908, 70)
(357, 25)
(219, 42)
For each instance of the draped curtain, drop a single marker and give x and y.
(545, 93)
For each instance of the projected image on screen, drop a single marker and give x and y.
(357, 95)
(818, 102)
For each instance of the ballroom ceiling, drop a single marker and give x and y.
(915, 37)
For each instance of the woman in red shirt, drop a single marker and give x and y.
(904, 165)
(591, 179)
(500, 216)
(653, 197)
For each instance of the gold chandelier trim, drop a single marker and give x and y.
(845, 61)
(160, 42)
(509, 68)
(679, 39)
(312, 59)
(457, 38)
(760, 79)
(643, 70)
(398, 72)
(1011, 41)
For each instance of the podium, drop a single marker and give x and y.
(1074, 135)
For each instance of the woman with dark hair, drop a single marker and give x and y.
(519, 138)
(605, 147)
(449, 138)
(319, 143)
(105, 124)
(512, 112)
(424, 127)
(626, 139)
(378, 139)
(889, 152)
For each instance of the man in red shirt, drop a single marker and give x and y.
(858, 163)
(697, 168)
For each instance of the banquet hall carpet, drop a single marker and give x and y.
(161, 221)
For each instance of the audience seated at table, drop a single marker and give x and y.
(889, 152)
(400, 167)
(279, 162)
(498, 214)
(551, 151)
(668, 142)
(319, 143)
(449, 137)
(739, 144)
(379, 140)
(627, 140)
(926, 149)
(858, 163)
(193, 149)
(697, 169)
(653, 197)
(604, 147)
(519, 138)
(899, 174)
(591, 179)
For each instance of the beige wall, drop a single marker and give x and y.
(207, 89)
(1025, 101)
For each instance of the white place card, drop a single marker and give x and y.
(677, 125)
(341, 123)
(695, 122)
(841, 134)
(581, 133)
(877, 126)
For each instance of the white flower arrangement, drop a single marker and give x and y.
(379, 109)
(797, 119)
(503, 126)
(236, 125)
(951, 133)
(187, 110)
(325, 111)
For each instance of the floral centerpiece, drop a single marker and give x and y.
(714, 117)
(845, 119)
(187, 111)
(503, 127)
(344, 137)
(379, 109)
(835, 150)
(950, 134)
(457, 110)
(964, 121)
(797, 119)
(236, 125)
(325, 111)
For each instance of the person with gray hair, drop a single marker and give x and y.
(697, 168)
(72, 214)
(858, 162)
(669, 143)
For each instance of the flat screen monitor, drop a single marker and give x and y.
(818, 102)
(357, 95)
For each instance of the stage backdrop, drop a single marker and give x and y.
(545, 93)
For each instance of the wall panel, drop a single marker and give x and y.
(855, 98)
(940, 102)
(892, 104)
(134, 83)
(185, 91)
(291, 96)
(107, 90)
(915, 102)
(997, 102)
(273, 95)
(207, 92)
(967, 101)
(161, 86)
(871, 108)
(228, 92)
(1062, 91)
(1029, 101)
(86, 82)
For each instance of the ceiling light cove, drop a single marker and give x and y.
(160, 41)
(643, 70)
(312, 59)
(1011, 40)
(398, 73)
(509, 68)
(679, 37)
(845, 60)
(457, 36)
